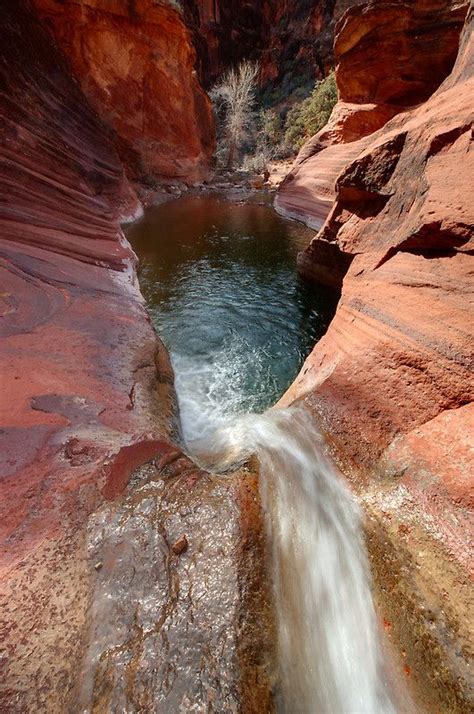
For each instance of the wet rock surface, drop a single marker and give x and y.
(179, 623)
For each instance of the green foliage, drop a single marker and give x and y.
(309, 116)
(270, 125)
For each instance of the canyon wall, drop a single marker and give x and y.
(95, 584)
(82, 401)
(392, 379)
(293, 41)
(135, 63)
(389, 57)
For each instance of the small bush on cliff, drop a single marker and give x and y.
(234, 99)
(309, 116)
(270, 126)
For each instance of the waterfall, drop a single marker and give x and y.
(223, 293)
(329, 654)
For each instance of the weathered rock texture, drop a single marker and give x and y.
(100, 608)
(392, 380)
(389, 57)
(292, 40)
(170, 629)
(79, 405)
(135, 63)
(87, 397)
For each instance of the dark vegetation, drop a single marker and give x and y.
(256, 126)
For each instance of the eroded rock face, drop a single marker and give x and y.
(392, 380)
(135, 63)
(86, 387)
(307, 193)
(389, 57)
(101, 604)
(175, 629)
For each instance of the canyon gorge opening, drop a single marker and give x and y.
(134, 577)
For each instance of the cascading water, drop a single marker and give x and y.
(328, 647)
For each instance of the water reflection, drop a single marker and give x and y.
(222, 289)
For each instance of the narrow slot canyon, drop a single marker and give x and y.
(236, 403)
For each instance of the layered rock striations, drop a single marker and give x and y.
(101, 605)
(392, 380)
(135, 63)
(86, 397)
(83, 398)
(389, 57)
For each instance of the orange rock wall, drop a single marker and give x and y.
(135, 63)
(396, 53)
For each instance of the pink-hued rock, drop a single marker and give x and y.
(307, 193)
(135, 63)
(76, 341)
(86, 560)
(389, 57)
(86, 388)
(392, 380)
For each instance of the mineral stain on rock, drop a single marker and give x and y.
(180, 546)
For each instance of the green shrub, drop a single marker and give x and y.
(309, 116)
(270, 125)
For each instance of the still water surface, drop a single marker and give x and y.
(222, 289)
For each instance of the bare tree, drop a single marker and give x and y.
(234, 98)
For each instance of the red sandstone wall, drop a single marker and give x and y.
(135, 63)
(393, 378)
(85, 387)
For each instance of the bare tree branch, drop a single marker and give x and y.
(234, 97)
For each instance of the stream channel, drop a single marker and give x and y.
(220, 283)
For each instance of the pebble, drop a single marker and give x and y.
(180, 546)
